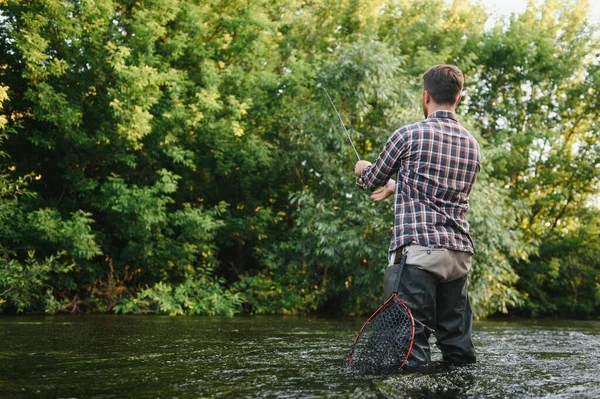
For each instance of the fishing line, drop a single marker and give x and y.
(344, 126)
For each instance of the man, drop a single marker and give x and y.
(436, 162)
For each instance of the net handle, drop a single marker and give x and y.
(400, 269)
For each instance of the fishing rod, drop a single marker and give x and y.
(344, 126)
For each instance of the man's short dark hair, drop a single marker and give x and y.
(444, 83)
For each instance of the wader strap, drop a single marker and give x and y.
(400, 268)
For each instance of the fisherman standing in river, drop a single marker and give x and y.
(435, 162)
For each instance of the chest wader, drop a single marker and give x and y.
(438, 305)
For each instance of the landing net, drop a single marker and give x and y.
(384, 342)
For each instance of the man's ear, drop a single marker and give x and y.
(426, 97)
(457, 100)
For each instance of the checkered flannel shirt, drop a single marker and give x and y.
(435, 163)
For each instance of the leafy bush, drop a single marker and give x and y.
(24, 286)
(198, 294)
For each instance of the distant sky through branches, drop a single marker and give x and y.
(502, 8)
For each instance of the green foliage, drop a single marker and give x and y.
(537, 107)
(73, 234)
(24, 285)
(498, 243)
(197, 295)
(180, 157)
(563, 278)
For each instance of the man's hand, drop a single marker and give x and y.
(360, 165)
(386, 191)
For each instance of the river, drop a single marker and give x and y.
(287, 357)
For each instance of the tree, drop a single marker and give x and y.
(182, 158)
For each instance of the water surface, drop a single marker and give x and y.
(184, 357)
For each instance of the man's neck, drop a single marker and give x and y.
(439, 107)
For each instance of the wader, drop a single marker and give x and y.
(433, 285)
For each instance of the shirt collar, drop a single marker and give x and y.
(443, 114)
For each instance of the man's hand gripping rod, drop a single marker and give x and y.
(344, 126)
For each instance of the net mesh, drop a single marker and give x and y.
(384, 342)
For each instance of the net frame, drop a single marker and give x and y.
(396, 335)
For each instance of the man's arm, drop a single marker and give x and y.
(385, 166)
(378, 195)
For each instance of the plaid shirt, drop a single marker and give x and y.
(436, 162)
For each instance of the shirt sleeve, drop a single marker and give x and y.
(387, 163)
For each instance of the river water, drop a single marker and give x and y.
(190, 357)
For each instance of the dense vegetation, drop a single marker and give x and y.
(179, 156)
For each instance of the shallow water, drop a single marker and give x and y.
(129, 356)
